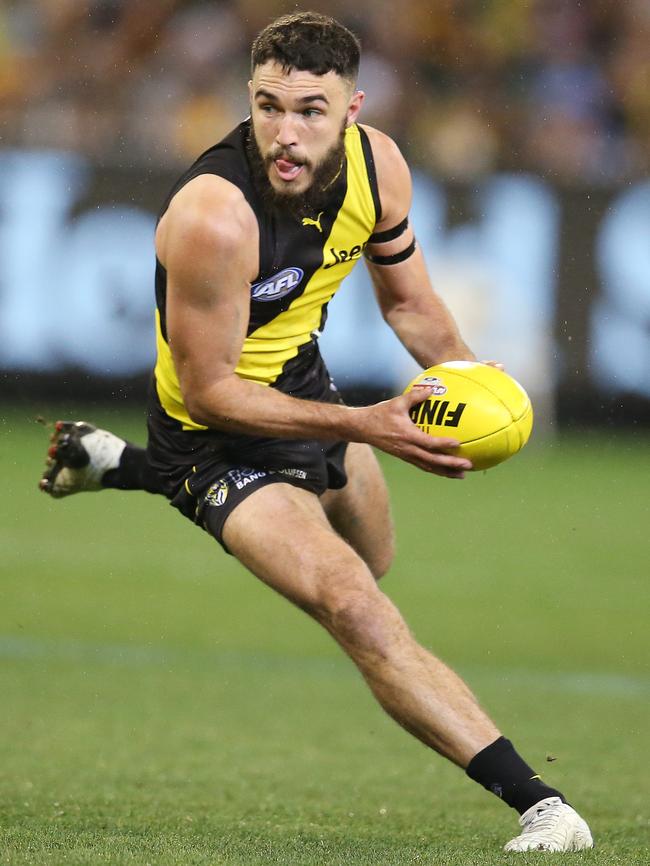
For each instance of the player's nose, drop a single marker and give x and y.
(286, 134)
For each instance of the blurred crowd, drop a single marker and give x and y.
(559, 87)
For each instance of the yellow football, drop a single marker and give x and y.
(484, 408)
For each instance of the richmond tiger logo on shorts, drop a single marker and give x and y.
(218, 493)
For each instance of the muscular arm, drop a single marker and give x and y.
(208, 242)
(404, 292)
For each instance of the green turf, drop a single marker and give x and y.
(159, 706)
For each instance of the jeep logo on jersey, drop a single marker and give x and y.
(340, 256)
(277, 286)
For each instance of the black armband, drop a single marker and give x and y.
(394, 259)
(389, 234)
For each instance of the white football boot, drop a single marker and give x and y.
(78, 457)
(551, 825)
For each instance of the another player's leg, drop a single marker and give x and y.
(83, 458)
(360, 511)
(325, 577)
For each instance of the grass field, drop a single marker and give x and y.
(158, 706)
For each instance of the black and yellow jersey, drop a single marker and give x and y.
(302, 264)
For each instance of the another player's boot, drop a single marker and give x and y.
(551, 825)
(78, 457)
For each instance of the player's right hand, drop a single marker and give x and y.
(388, 426)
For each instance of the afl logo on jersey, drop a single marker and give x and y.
(277, 286)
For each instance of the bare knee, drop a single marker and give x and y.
(378, 557)
(360, 511)
(361, 619)
(354, 616)
(376, 550)
(381, 559)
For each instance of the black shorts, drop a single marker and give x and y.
(211, 492)
(206, 474)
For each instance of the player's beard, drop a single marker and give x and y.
(312, 200)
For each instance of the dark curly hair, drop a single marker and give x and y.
(310, 42)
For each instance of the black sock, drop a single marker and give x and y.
(133, 472)
(503, 772)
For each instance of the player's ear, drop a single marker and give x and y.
(354, 107)
(250, 92)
